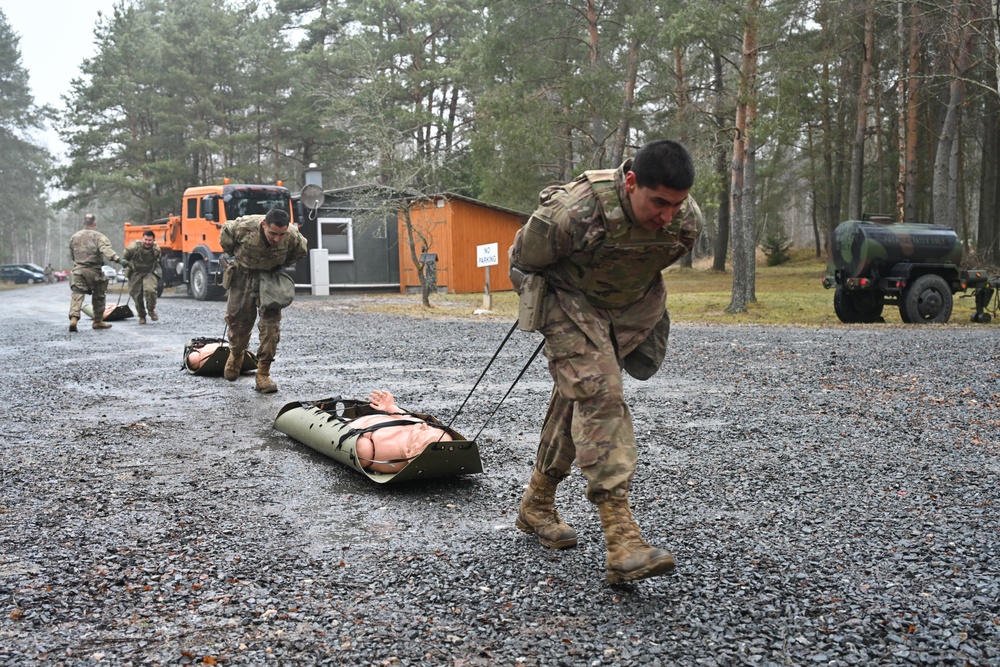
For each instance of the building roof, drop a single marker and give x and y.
(454, 195)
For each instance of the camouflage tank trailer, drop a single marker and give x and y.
(912, 266)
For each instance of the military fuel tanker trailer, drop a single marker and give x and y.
(912, 266)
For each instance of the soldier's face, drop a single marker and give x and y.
(654, 208)
(274, 233)
(147, 242)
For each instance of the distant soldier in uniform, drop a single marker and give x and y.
(144, 274)
(48, 273)
(593, 253)
(89, 250)
(257, 243)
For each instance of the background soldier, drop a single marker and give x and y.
(144, 274)
(258, 243)
(48, 273)
(592, 255)
(89, 249)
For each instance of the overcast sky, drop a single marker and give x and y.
(56, 36)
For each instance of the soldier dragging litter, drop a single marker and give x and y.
(89, 249)
(590, 258)
(258, 244)
(144, 274)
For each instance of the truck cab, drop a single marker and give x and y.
(189, 242)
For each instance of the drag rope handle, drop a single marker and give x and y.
(483, 374)
(519, 375)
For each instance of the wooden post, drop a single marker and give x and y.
(487, 297)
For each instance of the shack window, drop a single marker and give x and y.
(336, 235)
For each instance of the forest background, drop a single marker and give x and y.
(799, 113)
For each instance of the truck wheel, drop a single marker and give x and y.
(200, 284)
(927, 301)
(159, 286)
(857, 308)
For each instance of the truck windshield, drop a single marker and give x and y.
(256, 201)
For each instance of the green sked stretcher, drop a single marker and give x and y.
(322, 425)
(214, 364)
(111, 313)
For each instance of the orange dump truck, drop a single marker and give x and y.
(190, 242)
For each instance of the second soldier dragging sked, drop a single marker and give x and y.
(258, 244)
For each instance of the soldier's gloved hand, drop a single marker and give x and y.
(123, 262)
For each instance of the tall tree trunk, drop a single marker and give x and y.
(856, 196)
(721, 248)
(989, 186)
(945, 187)
(813, 204)
(744, 255)
(912, 120)
(624, 120)
(596, 121)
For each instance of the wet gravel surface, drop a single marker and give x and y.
(831, 496)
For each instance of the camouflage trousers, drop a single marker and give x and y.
(142, 289)
(241, 312)
(83, 281)
(587, 420)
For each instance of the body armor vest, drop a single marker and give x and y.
(629, 258)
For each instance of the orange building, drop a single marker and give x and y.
(453, 227)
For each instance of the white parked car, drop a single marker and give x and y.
(110, 273)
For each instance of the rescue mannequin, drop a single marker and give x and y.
(389, 448)
(199, 355)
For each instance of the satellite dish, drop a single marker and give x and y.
(312, 196)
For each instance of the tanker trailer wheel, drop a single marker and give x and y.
(159, 286)
(927, 301)
(857, 307)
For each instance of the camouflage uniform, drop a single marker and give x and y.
(90, 250)
(143, 275)
(243, 238)
(605, 297)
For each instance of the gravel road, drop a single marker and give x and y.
(831, 496)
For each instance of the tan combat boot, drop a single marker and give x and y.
(100, 324)
(142, 320)
(265, 384)
(153, 316)
(234, 365)
(538, 514)
(72, 324)
(629, 556)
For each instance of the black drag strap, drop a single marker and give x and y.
(523, 370)
(513, 327)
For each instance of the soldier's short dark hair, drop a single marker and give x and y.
(149, 232)
(664, 163)
(276, 217)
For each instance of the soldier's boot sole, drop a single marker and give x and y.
(563, 541)
(265, 385)
(657, 562)
(100, 325)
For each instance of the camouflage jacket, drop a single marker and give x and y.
(142, 261)
(243, 238)
(90, 249)
(595, 258)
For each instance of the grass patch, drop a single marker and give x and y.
(789, 294)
